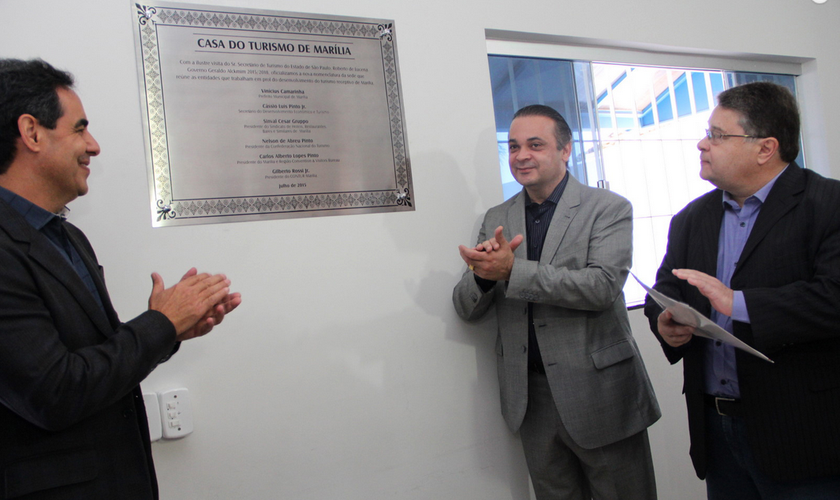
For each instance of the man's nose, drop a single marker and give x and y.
(92, 146)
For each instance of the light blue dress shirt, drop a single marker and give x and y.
(721, 375)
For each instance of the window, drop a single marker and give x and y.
(634, 130)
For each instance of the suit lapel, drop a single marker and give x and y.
(564, 213)
(50, 259)
(708, 237)
(99, 282)
(516, 225)
(781, 199)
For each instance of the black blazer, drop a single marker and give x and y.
(72, 420)
(789, 272)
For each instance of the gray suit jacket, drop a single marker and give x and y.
(593, 365)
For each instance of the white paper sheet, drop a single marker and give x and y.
(687, 315)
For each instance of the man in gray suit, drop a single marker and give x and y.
(553, 260)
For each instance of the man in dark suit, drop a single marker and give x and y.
(72, 420)
(552, 262)
(760, 256)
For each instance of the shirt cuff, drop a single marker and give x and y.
(739, 307)
(484, 284)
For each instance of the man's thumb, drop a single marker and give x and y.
(516, 241)
(157, 283)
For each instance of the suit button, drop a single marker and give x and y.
(128, 412)
(524, 348)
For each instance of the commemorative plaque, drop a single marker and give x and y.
(252, 115)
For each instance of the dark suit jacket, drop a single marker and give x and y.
(789, 272)
(72, 420)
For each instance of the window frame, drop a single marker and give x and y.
(500, 43)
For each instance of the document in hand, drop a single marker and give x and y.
(687, 315)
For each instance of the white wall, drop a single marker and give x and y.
(346, 374)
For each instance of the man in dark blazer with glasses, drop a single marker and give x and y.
(760, 256)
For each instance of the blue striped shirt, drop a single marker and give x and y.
(721, 374)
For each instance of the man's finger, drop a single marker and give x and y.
(205, 281)
(467, 253)
(231, 302)
(516, 241)
(217, 297)
(500, 236)
(192, 272)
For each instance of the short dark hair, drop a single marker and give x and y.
(562, 131)
(27, 87)
(767, 110)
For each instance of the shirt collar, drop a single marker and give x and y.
(555, 195)
(36, 216)
(761, 194)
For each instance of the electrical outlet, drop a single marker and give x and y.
(175, 412)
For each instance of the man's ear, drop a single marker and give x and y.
(566, 152)
(769, 147)
(30, 132)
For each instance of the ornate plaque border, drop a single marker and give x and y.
(167, 211)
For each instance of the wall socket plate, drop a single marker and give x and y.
(176, 413)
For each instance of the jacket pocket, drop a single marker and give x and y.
(50, 471)
(612, 354)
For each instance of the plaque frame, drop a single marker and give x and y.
(167, 210)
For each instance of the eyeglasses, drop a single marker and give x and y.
(716, 137)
